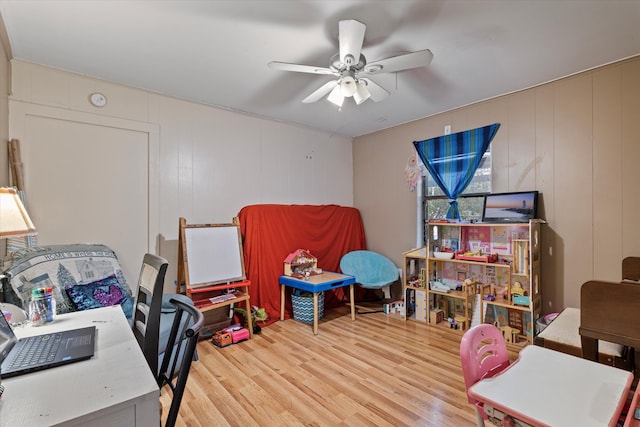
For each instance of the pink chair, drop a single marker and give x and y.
(483, 354)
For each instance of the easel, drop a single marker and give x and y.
(217, 266)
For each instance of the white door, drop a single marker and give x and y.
(89, 183)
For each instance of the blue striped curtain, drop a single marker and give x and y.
(452, 160)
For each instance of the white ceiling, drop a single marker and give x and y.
(216, 52)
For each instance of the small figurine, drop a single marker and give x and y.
(257, 314)
(517, 289)
(452, 323)
(260, 314)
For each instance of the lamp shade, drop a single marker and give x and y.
(336, 96)
(362, 93)
(348, 86)
(14, 219)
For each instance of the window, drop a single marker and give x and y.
(435, 204)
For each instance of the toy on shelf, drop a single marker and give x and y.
(452, 323)
(510, 334)
(469, 286)
(436, 315)
(518, 295)
(415, 282)
(434, 285)
(462, 321)
(476, 256)
(301, 263)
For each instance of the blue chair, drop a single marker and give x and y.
(371, 270)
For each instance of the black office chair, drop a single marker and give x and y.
(174, 371)
(146, 318)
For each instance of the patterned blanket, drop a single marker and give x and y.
(82, 276)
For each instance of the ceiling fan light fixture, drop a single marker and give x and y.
(362, 93)
(336, 97)
(348, 86)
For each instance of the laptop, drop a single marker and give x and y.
(30, 354)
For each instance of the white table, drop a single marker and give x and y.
(546, 387)
(113, 388)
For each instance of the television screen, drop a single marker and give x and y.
(510, 207)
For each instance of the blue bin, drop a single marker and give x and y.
(303, 306)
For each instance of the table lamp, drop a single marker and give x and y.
(14, 219)
(14, 222)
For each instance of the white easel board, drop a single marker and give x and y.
(212, 254)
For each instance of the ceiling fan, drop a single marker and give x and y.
(352, 70)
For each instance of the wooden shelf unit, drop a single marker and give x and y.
(201, 296)
(201, 299)
(513, 280)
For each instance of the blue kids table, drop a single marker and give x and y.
(316, 284)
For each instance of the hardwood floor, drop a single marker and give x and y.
(376, 371)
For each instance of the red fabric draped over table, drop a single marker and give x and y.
(271, 232)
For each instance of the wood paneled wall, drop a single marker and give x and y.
(211, 163)
(576, 140)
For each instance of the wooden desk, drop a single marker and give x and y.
(113, 388)
(316, 284)
(544, 387)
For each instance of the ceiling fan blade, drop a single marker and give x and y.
(377, 92)
(407, 61)
(351, 37)
(284, 66)
(321, 92)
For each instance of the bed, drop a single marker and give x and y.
(602, 329)
(631, 269)
(562, 335)
(608, 312)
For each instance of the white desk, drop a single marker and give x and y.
(113, 388)
(546, 387)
